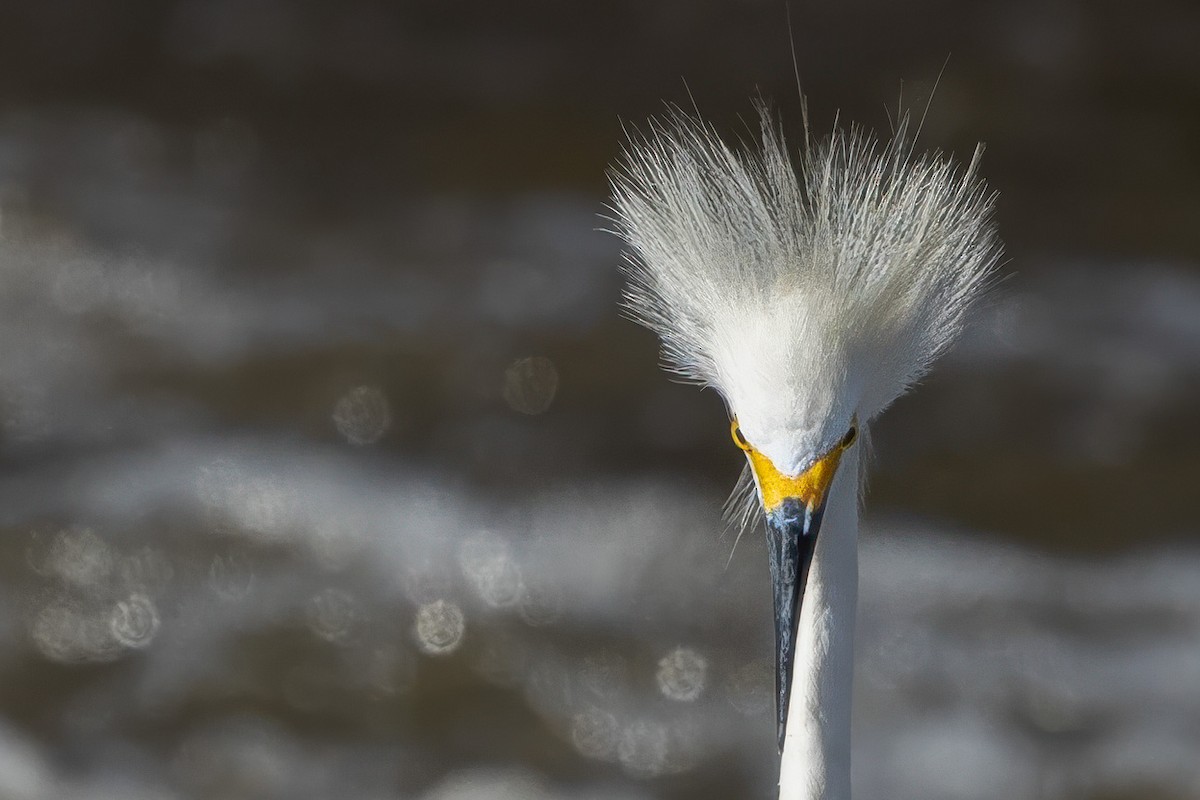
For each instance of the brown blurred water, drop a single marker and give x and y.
(329, 467)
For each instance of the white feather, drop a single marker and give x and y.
(805, 296)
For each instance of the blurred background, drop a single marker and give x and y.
(328, 467)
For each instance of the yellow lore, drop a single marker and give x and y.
(809, 487)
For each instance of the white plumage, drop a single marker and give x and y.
(811, 294)
(802, 297)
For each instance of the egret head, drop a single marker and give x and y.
(809, 293)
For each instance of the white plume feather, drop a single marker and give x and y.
(804, 296)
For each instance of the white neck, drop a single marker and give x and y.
(816, 750)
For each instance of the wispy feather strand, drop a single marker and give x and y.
(893, 245)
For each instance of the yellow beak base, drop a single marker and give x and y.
(809, 487)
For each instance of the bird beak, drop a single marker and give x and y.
(793, 506)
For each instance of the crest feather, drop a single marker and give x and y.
(886, 246)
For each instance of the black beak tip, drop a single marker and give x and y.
(792, 530)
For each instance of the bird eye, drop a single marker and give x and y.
(736, 432)
(850, 437)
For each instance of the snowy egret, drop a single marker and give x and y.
(810, 295)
